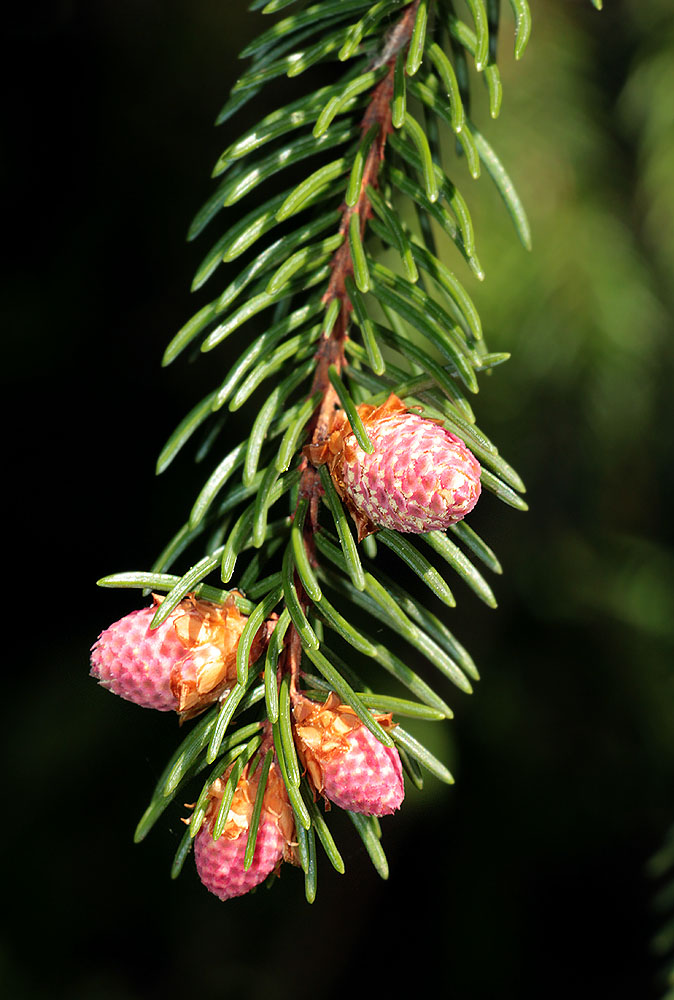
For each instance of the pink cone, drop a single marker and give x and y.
(184, 665)
(344, 760)
(368, 778)
(135, 663)
(220, 863)
(419, 477)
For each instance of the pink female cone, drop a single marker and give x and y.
(220, 863)
(345, 761)
(135, 663)
(419, 477)
(183, 665)
(367, 778)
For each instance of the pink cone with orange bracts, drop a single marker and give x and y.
(419, 478)
(220, 863)
(345, 761)
(182, 666)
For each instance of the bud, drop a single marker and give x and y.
(220, 862)
(344, 760)
(419, 478)
(184, 665)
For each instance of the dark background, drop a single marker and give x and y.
(528, 877)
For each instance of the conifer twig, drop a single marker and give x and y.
(331, 348)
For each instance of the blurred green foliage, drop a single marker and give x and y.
(528, 878)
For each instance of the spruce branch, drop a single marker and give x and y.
(368, 337)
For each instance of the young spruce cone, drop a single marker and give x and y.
(344, 760)
(419, 477)
(220, 863)
(183, 666)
